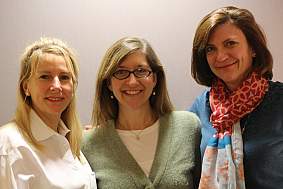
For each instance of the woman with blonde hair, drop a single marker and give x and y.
(40, 147)
(138, 140)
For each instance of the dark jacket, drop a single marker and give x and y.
(262, 137)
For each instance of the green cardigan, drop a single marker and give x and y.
(176, 163)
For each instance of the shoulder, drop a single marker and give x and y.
(203, 96)
(88, 136)
(200, 102)
(10, 138)
(9, 130)
(274, 94)
(96, 135)
(276, 87)
(183, 118)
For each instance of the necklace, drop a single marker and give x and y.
(137, 133)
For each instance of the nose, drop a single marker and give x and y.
(221, 55)
(132, 80)
(56, 84)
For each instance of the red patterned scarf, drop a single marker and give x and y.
(229, 107)
(222, 165)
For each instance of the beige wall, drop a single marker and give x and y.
(91, 26)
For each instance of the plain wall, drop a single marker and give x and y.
(91, 26)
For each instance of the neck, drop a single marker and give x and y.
(135, 120)
(50, 120)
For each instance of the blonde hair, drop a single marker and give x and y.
(29, 62)
(104, 107)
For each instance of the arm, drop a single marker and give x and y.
(7, 179)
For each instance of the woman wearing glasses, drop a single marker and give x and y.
(138, 141)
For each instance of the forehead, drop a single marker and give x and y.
(226, 31)
(135, 59)
(51, 62)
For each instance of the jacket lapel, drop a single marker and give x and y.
(126, 160)
(163, 149)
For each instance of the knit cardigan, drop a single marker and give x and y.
(176, 163)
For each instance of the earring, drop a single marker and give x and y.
(26, 97)
(153, 93)
(27, 93)
(112, 97)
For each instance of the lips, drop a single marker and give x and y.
(227, 65)
(132, 92)
(54, 99)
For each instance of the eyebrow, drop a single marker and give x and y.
(139, 66)
(233, 38)
(48, 72)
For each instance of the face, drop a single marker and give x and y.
(133, 93)
(229, 55)
(50, 87)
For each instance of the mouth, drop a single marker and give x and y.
(132, 92)
(227, 65)
(54, 99)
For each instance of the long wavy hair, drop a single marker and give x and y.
(104, 107)
(29, 61)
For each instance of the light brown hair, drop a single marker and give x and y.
(104, 107)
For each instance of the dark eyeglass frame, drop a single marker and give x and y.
(135, 71)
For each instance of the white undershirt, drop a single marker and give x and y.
(142, 149)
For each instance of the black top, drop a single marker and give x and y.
(262, 138)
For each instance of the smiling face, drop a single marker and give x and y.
(50, 87)
(229, 55)
(133, 93)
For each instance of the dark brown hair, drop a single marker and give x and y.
(245, 21)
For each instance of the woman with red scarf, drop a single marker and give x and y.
(242, 111)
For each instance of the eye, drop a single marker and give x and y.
(230, 43)
(65, 77)
(121, 74)
(44, 76)
(142, 72)
(209, 49)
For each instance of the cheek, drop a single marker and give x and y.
(210, 59)
(69, 89)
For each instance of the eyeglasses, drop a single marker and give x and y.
(139, 73)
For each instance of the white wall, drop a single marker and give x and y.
(91, 26)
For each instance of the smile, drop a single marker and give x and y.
(55, 99)
(132, 92)
(228, 65)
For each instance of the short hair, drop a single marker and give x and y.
(245, 21)
(31, 57)
(105, 108)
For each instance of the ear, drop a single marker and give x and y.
(109, 85)
(154, 79)
(25, 88)
(253, 53)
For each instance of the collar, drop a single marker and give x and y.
(41, 131)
